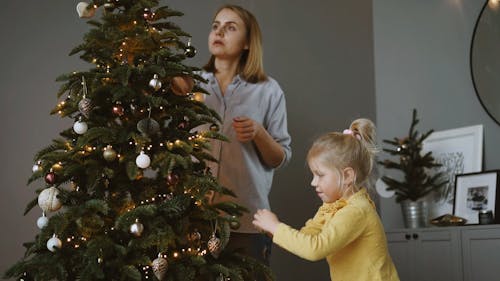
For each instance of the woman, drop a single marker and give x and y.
(253, 112)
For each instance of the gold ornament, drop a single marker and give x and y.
(182, 85)
(109, 154)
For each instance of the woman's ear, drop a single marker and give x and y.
(349, 176)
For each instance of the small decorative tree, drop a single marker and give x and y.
(418, 179)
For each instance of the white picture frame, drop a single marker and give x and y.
(459, 151)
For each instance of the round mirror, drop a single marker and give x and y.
(485, 58)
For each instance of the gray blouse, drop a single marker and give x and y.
(240, 167)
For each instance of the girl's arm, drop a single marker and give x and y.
(347, 224)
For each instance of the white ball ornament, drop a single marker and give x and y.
(155, 83)
(48, 201)
(80, 127)
(42, 221)
(137, 228)
(54, 243)
(143, 160)
(83, 11)
(37, 167)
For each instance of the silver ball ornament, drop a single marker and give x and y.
(137, 228)
(155, 83)
(42, 221)
(214, 246)
(54, 243)
(148, 126)
(160, 267)
(48, 201)
(80, 127)
(143, 160)
(85, 106)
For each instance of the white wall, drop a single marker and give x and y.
(422, 61)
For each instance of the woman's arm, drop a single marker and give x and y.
(270, 151)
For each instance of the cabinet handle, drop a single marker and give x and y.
(415, 236)
(407, 236)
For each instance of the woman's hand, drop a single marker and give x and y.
(246, 128)
(265, 220)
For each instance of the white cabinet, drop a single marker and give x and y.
(481, 254)
(426, 254)
(467, 253)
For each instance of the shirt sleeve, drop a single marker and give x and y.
(343, 228)
(276, 124)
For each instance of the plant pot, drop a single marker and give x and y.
(415, 213)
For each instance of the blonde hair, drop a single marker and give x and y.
(355, 148)
(251, 66)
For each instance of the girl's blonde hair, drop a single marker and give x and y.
(353, 148)
(251, 66)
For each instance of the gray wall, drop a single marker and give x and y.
(422, 61)
(320, 51)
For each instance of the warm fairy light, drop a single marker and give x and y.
(176, 255)
(124, 43)
(94, 60)
(135, 22)
(161, 107)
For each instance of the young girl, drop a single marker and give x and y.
(346, 230)
(253, 112)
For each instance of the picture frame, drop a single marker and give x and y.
(459, 151)
(475, 192)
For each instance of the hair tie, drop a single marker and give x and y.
(350, 132)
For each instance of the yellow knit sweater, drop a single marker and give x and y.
(349, 234)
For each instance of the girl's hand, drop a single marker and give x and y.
(246, 128)
(265, 220)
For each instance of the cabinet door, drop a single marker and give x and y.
(402, 253)
(481, 254)
(438, 256)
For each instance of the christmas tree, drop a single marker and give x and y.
(419, 180)
(127, 188)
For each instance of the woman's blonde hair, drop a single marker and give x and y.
(251, 66)
(353, 148)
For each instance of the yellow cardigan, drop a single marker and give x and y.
(349, 234)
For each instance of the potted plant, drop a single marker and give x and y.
(419, 177)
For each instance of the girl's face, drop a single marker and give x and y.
(227, 39)
(326, 181)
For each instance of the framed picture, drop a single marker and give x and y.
(475, 192)
(459, 151)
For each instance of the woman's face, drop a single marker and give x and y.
(326, 181)
(227, 38)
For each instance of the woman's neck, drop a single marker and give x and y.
(226, 71)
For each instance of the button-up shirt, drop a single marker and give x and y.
(239, 167)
